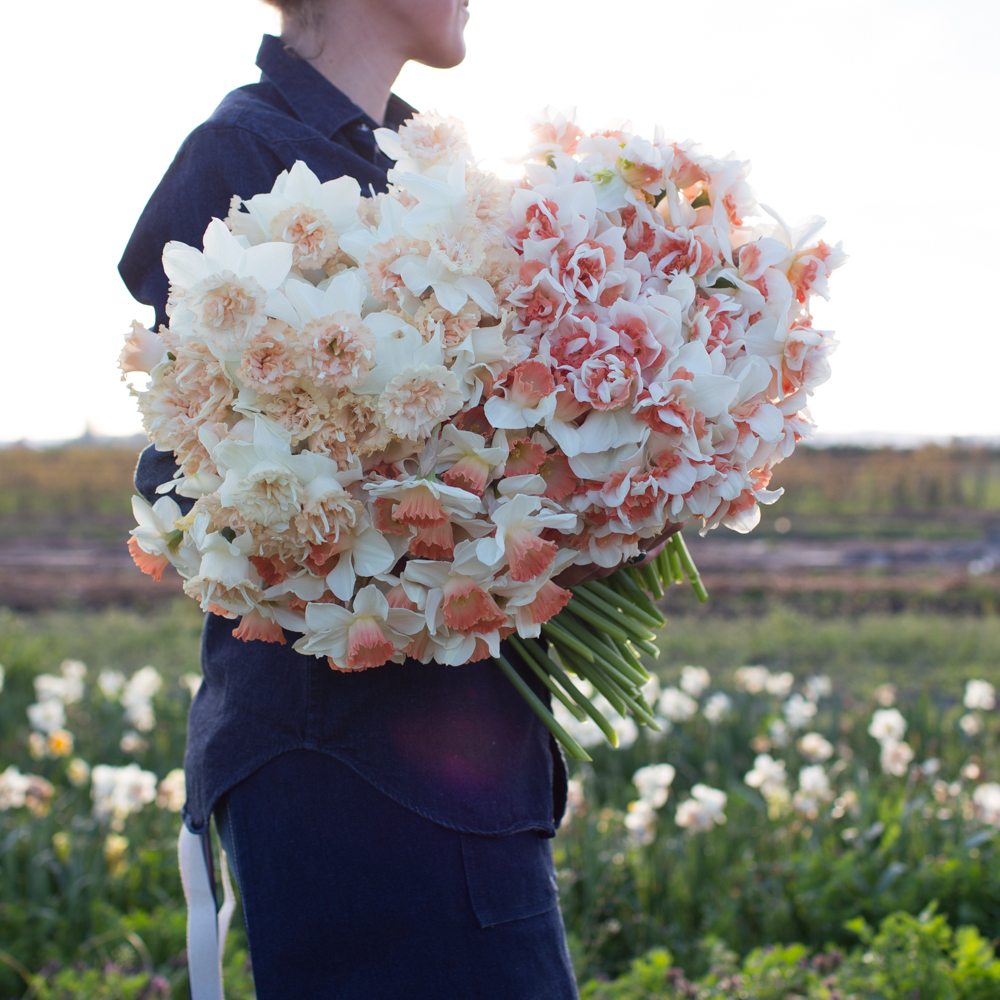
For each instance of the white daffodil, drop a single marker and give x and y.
(767, 774)
(887, 725)
(653, 782)
(142, 352)
(345, 292)
(519, 522)
(467, 461)
(367, 635)
(158, 539)
(533, 602)
(458, 605)
(705, 809)
(222, 292)
(300, 211)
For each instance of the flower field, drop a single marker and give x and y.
(825, 825)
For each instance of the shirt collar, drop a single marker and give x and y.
(313, 98)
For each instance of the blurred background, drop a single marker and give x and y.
(870, 587)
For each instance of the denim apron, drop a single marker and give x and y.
(456, 747)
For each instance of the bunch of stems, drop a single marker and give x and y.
(600, 637)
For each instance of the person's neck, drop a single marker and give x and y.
(354, 55)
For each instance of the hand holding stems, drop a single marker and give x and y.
(574, 575)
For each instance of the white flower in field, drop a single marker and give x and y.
(767, 774)
(3, 674)
(971, 771)
(815, 782)
(78, 772)
(13, 788)
(971, 724)
(981, 695)
(798, 711)
(777, 732)
(73, 670)
(47, 716)
(779, 684)
(814, 790)
(38, 745)
(703, 810)
(695, 681)
(887, 725)
(817, 686)
(137, 698)
(895, 757)
(885, 695)
(675, 705)
(49, 687)
(718, 706)
(815, 747)
(119, 791)
(640, 822)
(143, 685)
(752, 679)
(111, 683)
(190, 682)
(653, 782)
(132, 742)
(170, 792)
(986, 800)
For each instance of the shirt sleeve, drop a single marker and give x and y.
(214, 163)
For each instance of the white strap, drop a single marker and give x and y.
(206, 930)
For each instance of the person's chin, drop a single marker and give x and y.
(445, 57)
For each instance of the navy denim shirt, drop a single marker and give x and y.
(457, 745)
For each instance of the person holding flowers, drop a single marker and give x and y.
(389, 829)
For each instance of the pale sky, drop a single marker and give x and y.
(879, 115)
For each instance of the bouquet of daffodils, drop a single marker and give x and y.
(401, 417)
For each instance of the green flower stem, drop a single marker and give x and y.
(579, 630)
(652, 581)
(649, 648)
(677, 543)
(636, 673)
(569, 744)
(665, 568)
(559, 674)
(628, 703)
(675, 563)
(553, 630)
(583, 610)
(639, 597)
(652, 620)
(604, 599)
(546, 678)
(629, 653)
(628, 627)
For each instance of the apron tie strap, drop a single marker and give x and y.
(206, 928)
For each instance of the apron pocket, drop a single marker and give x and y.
(509, 877)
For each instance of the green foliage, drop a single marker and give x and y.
(906, 958)
(754, 908)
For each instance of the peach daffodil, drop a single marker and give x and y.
(367, 635)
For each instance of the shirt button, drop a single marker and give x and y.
(362, 127)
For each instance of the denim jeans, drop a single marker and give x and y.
(349, 895)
